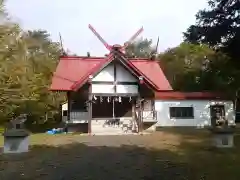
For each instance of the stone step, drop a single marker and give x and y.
(101, 122)
(102, 129)
(149, 120)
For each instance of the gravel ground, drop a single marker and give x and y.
(129, 157)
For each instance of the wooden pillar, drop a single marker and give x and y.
(134, 110)
(90, 109)
(139, 109)
(153, 109)
(69, 106)
(140, 125)
(134, 115)
(141, 116)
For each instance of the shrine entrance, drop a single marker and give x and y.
(111, 114)
(112, 107)
(113, 93)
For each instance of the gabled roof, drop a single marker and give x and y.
(74, 71)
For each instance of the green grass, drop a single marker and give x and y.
(205, 160)
(1, 129)
(46, 139)
(1, 140)
(1, 137)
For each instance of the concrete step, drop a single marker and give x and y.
(149, 120)
(102, 129)
(113, 133)
(99, 127)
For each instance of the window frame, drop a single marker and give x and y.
(181, 110)
(63, 113)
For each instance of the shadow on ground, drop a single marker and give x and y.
(116, 158)
(186, 131)
(79, 161)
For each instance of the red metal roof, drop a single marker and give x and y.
(153, 71)
(72, 70)
(174, 95)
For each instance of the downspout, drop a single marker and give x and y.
(236, 97)
(236, 101)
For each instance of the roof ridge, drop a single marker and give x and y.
(102, 58)
(82, 58)
(143, 60)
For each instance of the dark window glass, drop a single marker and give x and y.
(181, 112)
(18, 126)
(65, 113)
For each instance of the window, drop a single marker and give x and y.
(181, 112)
(78, 101)
(79, 105)
(18, 126)
(65, 112)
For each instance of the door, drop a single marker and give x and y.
(216, 112)
(102, 108)
(123, 108)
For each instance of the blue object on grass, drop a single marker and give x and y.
(55, 131)
(50, 132)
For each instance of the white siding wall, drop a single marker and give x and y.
(201, 112)
(107, 74)
(65, 107)
(123, 75)
(102, 88)
(127, 89)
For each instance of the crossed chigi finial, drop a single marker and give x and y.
(116, 46)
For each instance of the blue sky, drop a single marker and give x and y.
(116, 21)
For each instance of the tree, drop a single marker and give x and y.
(141, 48)
(191, 67)
(188, 67)
(219, 27)
(27, 61)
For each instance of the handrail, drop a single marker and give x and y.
(152, 115)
